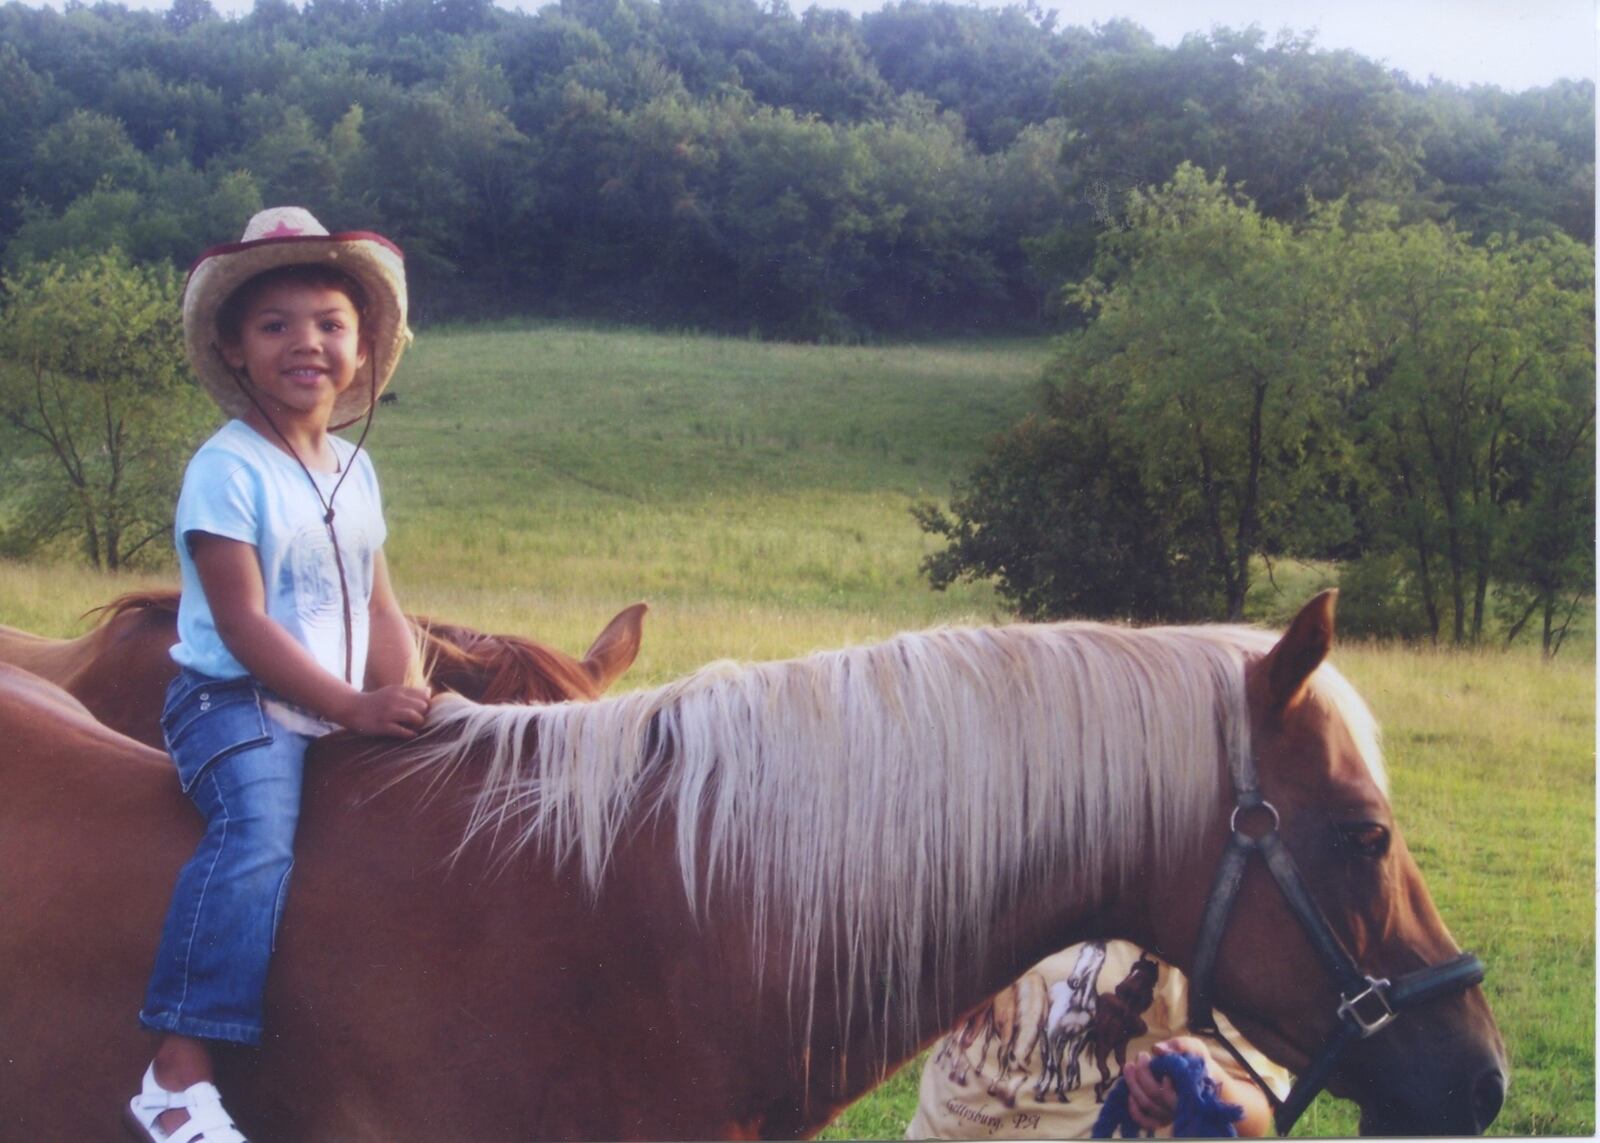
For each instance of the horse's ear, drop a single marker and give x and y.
(1301, 650)
(614, 650)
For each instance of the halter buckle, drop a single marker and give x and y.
(1374, 1019)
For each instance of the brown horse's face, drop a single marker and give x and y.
(1440, 1068)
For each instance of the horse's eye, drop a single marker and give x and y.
(1368, 839)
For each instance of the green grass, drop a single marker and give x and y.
(540, 477)
(560, 467)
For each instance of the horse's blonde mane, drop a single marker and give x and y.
(869, 801)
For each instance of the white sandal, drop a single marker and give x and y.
(208, 1120)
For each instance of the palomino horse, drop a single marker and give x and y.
(1017, 1019)
(120, 669)
(729, 906)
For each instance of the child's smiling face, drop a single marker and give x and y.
(301, 346)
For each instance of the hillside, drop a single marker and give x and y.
(539, 476)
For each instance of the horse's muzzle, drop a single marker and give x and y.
(1468, 1112)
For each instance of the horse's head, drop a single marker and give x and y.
(1139, 986)
(511, 669)
(1439, 1067)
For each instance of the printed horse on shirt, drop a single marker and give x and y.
(120, 669)
(954, 1046)
(1016, 1020)
(1119, 1019)
(476, 910)
(1068, 1023)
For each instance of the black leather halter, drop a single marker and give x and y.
(1367, 1004)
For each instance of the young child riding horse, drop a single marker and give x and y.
(288, 627)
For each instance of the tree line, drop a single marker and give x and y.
(1311, 308)
(728, 164)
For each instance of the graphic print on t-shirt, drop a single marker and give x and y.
(1053, 1037)
(315, 576)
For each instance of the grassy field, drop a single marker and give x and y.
(540, 477)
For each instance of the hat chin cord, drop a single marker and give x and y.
(247, 387)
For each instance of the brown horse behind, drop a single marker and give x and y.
(729, 906)
(120, 669)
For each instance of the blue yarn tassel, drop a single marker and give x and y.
(1201, 1113)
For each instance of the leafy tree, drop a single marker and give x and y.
(539, 59)
(150, 108)
(1032, 205)
(266, 15)
(292, 162)
(662, 177)
(929, 260)
(1477, 410)
(85, 152)
(101, 220)
(1192, 421)
(1285, 120)
(1378, 598)
(23, 97)
(449, 175)
(185, 14)
(97, 405)
(815, 64)
(182, 211)
(570, 225)
(1225, 339)
(998, 68)
(822, 67)
(1497, 162)
(1347, 388)
(1548, 563)
(494, 162)
(798, 222)
(1058, 515)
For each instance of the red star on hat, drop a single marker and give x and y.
(283, 230)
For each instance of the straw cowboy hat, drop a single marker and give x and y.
(291, 236)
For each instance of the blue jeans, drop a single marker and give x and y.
(243, 771)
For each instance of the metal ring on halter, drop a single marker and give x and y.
(1233, 821)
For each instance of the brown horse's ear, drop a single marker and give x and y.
(1301, 650)
(614, 650)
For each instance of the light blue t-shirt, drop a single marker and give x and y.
(242, 487)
